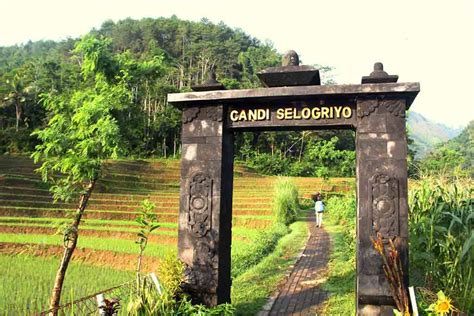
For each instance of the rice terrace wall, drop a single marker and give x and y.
(293, 100)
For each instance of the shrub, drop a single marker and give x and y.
(286, 201)
(170, 272)
(343, 211)
(145, 299)
(441, 222)
(302, 169)
(148, 302)
(269, 164)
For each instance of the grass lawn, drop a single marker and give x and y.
(341, 278)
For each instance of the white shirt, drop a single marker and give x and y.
(319, 206)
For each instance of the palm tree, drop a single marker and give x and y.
(16, 96)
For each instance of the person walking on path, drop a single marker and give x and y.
(319, 209)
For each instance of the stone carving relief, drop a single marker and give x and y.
(203, 273)
(384, 196)
(395, 107)
(368, 110)
(200, 204)
(215, 113)
(189, 114)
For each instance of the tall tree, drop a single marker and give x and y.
(16, 96)
(81, 133)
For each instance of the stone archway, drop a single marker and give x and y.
(293, 100)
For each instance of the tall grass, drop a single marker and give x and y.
(342, 211)
(442, 237)
(286, 201)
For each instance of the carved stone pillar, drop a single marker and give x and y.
(382, 205)
(205, 211)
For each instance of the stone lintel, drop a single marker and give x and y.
(400, 90)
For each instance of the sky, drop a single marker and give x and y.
(426, 41)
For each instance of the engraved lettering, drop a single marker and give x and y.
(316, 113)
(261, 114)
(280, 114)
(252, 115)
(243, 116)
(338, 110)
(346, 112)
(325, 113)
(234, 115)
(296, 115)
(306, 113)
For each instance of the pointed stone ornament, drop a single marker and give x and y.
(211, 83)
(290, 58)
(379, 75)
(290, 73)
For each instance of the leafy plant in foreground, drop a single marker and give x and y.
(392, 266)
(441, 222)
(80, 135)
(170, 271)
(431, 304)
(147, 220)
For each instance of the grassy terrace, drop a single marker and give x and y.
(28, 214)
(29, 220)
(26, 202)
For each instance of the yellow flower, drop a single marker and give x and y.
(443, 306)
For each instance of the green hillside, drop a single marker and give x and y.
(154, 57)
(426, 134)
(454, 157)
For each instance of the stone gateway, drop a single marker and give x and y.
(293, 100)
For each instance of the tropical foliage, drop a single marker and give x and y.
(150, 58)
(441, 222)
(453, 158)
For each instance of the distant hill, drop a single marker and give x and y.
(426, 134)
(463, 144)
(454, 157)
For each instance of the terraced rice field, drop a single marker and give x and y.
(29, 218)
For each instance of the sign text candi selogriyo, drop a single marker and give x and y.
(291, 113)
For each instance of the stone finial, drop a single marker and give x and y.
(379, 75)
(211, 76)
(211, 82)
(290, 58)
(378, 71)
(290, 73)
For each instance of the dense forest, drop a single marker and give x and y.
(150, 58)
(159, 56)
